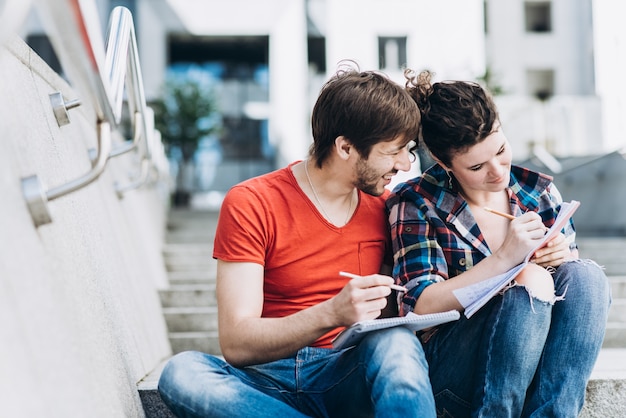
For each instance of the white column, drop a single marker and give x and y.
(288, 68)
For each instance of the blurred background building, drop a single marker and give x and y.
(556, 67)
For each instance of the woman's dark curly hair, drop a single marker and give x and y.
(455, 114)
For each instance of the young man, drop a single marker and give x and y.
(281, 241)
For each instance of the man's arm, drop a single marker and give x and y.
(246, 338)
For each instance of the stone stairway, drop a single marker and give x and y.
(190, 310)
(189, 305)
(611, 254)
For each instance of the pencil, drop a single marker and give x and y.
(356, 276)
(506, 215)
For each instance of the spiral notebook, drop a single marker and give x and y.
(355, 333)
(473, 297)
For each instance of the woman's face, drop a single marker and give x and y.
(485, 166)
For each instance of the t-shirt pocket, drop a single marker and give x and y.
(371, 256)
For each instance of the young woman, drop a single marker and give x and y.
(531, 349)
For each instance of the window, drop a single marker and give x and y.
(41, 45)
(391, 52)
(538, 16)
(317, 54)
(540, 83)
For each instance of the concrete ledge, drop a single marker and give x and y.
(153, 405)
(606, 398)
(606, 391)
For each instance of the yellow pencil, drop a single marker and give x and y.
(506, 215)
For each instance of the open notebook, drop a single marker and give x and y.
(473, 297)
(355, 333)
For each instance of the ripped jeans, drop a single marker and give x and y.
(386, 375)
(519, 356)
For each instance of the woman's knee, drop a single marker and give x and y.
(582, 269)
(583, 276)
(538, 281)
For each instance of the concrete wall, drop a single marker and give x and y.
(598, 183)
(80, 317)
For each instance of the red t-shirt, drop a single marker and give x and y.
(270, 221)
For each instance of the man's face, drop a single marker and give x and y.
(384, 161)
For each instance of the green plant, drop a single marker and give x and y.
(185, 114)
(489, 80)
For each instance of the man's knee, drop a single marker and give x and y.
(393, 336)
(397, 343)
(179, 370)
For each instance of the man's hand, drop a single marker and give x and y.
(361, 298)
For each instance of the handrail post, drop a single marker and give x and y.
(37, 198)
(74, 29)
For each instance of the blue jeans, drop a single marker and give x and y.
(386, 375)
(522, 357)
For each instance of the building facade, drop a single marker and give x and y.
(269, 59)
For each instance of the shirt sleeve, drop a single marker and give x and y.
(419, 260)
(241, 235)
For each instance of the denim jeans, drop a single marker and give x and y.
(519, 356)
(386, 375)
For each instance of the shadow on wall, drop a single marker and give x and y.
(599, 183)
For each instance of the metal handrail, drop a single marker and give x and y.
(101, 73)
(122, 60)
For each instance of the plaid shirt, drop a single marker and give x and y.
(435, 236)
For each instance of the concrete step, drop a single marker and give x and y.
(191, 319)
(606, 391)
(184, 247)
(189, 256)
(609, 252)
(188, 295)
(189, 252)
(600, 244)
(192, 277)
(605, 397)
(618, 286)
(617, 268)
(617, 311)
(191, 236)
(183, 265)
(204, 341)
(615, 336)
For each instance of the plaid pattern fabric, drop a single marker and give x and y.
(435, 236)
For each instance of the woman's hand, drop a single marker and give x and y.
(554, 253)
(523, 234)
